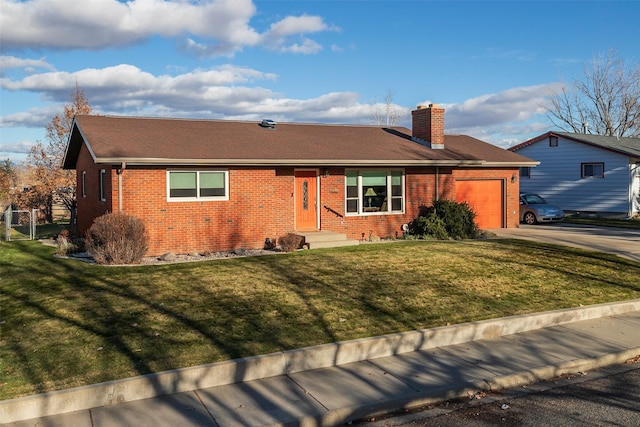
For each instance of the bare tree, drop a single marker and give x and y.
(606, 102)
(387, 114)
(47, 181)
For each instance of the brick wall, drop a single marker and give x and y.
(260, 205)
(90, 206)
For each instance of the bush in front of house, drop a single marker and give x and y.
(445, 219)
(428, 226)
(117, 238)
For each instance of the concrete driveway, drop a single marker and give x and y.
(619, 241)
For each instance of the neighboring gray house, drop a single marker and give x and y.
(584, 173)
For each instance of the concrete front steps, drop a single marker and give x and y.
(325, 239)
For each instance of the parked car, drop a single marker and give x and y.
(535, 209)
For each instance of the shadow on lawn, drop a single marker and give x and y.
(548, 252)
(100, 317)
(86, 298)
(101, 309)
(115, 315)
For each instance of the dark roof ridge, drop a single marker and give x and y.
(257, 121)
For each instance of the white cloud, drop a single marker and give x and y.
(502, 118)
(232, 92)
(517, 104)
(209, 27)
(131, 78)
(21, 147)
(223, 92)
(307, 47)
(13, 62)
(32, 118)
(295, 25)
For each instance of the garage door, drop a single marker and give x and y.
(485, 197)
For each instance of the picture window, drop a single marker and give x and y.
(197, 185)
(374, 192)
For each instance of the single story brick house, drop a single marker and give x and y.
(216, 185)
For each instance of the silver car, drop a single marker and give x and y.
(534, 209)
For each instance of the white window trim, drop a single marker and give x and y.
(84, 183)
(198, 198)
(103, 195)
(360, 197)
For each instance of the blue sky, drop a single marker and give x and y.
(490, 64)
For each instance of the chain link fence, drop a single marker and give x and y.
(20, 224)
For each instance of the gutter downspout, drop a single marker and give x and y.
(119, 173)
(437, 183)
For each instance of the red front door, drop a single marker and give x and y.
(306, 200)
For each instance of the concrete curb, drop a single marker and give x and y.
(516, 379)
(283, 363)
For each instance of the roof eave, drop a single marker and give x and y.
(510, 164)
(69, 160)
(283, 162)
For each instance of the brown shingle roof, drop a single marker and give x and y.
(113, 140)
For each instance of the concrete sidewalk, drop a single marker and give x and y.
(337, 383)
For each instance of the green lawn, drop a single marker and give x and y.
(65, 323)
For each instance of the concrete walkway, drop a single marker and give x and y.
(341, 382)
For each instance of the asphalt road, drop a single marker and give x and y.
(606, 397)
(619, 241)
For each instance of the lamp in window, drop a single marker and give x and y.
(370, 193)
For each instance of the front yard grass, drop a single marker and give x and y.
(65, 323)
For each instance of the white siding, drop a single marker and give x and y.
(558, 177)
(635, 189)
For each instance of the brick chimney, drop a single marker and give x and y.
(428, 125)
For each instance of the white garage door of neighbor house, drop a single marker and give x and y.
(485, 196)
